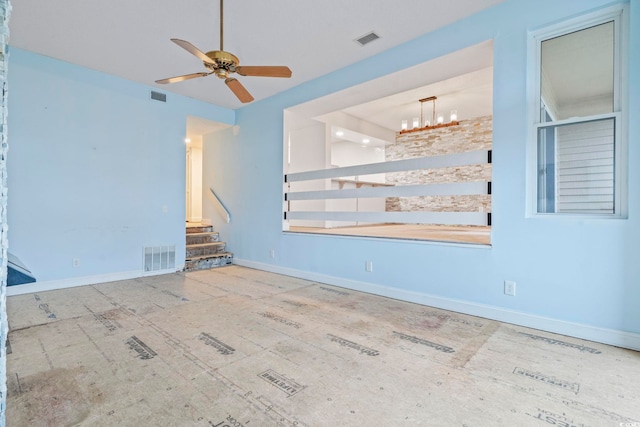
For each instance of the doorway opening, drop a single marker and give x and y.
(197, 128)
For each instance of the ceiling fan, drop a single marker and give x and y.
(222, 64)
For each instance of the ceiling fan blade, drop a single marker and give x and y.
(264, 71)
(193, 50)
(239, 90)
(181, 78)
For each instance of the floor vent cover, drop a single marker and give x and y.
(159, 258)
(367, 38)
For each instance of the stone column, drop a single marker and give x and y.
(5, 9)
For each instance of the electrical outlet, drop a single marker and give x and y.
(75, 263)
(510, 288)
(272, 253)
(368, 266)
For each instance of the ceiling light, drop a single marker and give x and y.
(366, 141)
(437, 119)
(339, 133)
(187, 140)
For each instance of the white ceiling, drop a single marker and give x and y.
(130, 39)
(471, 95)
(461, 80)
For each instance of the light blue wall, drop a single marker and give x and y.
(92, 163)
(582, 271)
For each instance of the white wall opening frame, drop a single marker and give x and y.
(618, 15)
(374, 109)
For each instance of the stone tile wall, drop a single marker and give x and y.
(5, 8)
(470, 135)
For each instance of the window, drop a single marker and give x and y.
(578, 144)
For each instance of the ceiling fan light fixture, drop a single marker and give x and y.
(222, 64)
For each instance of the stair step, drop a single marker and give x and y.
(201, 249)
(205, 262)
(204, 250)
(191, 229)
(204, 237)
(201, 257)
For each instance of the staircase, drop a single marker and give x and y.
(204, 249)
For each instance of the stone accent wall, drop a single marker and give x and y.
(5, 8)
(470, 135)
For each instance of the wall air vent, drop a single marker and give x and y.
(367, 38)
(162, 97)
(159, 258)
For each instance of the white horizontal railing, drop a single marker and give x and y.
(449, 189)
(369, 190)
(434, 162)
(224, 213)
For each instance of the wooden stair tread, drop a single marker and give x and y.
(205, 245)
(204, 233)
(199, 229)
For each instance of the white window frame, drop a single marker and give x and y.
(619, 14)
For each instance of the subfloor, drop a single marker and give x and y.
(240, 347)
(438, 233)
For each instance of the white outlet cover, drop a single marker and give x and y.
(510, 288)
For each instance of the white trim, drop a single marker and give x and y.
(613, 337)
(580, 22)
(618, 13)
(52, 285)
(446, 189)
(429, 162)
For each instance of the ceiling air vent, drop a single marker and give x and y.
(162, 97)
(367, 38)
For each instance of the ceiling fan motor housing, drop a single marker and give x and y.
(222, 64)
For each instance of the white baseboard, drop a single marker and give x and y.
(52, 285)
(613, 337)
